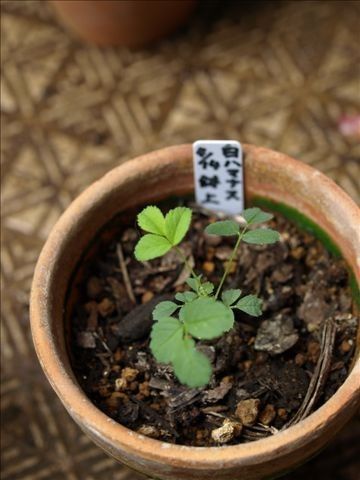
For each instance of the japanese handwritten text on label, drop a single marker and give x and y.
(218, 170)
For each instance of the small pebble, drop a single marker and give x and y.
(144, 389)
(147, 296)
(129, 374)
(297, 252)
(93, 287)
(120, 384)
(247, 364)
(300, 359)
(313, 351)
(210, 252)
(114, 399)
(346, 346)
(227, 431)
(208, 267)
(199, 434)
(267, 415)
(247, 411)
(282, 413)
(118, 355)
(149, 431)
(85, 340)
(106, 307)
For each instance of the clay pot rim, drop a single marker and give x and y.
(81, 408)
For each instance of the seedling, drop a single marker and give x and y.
(203, 312)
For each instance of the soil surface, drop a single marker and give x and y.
(269, 372)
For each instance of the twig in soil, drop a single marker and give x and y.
(320, 374)
(125, 274)
(103, 343)
(258, 431)
(183, 399)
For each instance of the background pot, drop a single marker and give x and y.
(149, 178)
(122, 22)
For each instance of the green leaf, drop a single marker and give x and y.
(191, 367)
(193, 283)
(205, 318)
(208, 287)
(166, 339)
(177, 223)
(185, 297)
(230, 296)
(151, 246)
(255, 215)
(250, 304)
(225, 228)
(152, 220)
(261, 236)
(164, 309)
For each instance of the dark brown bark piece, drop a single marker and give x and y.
(138, 322)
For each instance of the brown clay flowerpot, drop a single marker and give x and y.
(131, 23)
(147, 179)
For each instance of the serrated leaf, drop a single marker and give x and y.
(191, 367)
(177, 223)
(151, 246)
(255, 215)
(223, 228)
(205, 318)
(230, 296)
(164, 309)
(193, 284)
(152, 220)
(261, 236)
(208, 287)
(166, 339)
(185, 297)
(251, 305)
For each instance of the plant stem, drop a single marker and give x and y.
(229, 263)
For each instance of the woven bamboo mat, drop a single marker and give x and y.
(276, 73)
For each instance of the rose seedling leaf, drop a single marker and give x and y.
(166, 339)
(177, 223)
(151, 246)
(152, 220)
(193, 284)
(206, 318)
(185, 297)
(208, 287)
(256, 215)
(191, 367)
(164, 309)
(230, 296)
(224, 228)
(250, 304)
(261, 236)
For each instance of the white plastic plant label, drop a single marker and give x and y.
(218, 171)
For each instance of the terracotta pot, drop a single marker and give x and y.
(131, 23)
(147, 179)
